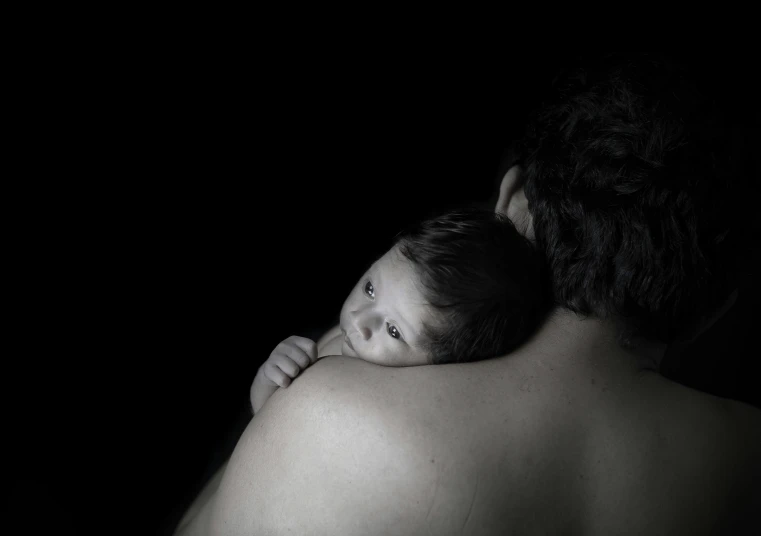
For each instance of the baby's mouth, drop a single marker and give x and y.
(349, 344)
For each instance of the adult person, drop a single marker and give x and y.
(625, 183)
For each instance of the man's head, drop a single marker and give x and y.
(625, 179)
(457, 287)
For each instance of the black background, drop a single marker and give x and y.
(208, 205)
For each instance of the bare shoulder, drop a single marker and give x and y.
(744, 422)
(719, 448)
(736, 427)
(744, 417)
(744, 432)
(355, 448)
(722, 429)
(331, 454)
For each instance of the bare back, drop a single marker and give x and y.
(507, 446)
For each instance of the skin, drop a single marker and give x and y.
(569, 434)
(383, 315)
(381, 323)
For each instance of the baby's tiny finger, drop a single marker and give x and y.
(287, 365)
(301, 359)
(308, 346)
(296, 355)
(277, 376)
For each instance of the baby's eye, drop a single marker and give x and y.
(391, 329)
(369, 289)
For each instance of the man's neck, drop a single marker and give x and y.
(573, 344)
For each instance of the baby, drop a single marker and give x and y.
(463, 286)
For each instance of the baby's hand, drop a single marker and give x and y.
(288, 359)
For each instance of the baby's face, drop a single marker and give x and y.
(382, 317)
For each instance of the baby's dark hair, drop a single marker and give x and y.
(632, 177)
(484, 280)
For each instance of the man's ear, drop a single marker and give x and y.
(512, 202)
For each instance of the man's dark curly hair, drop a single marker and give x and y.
(485, 281)
(631, 179)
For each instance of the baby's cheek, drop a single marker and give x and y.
(382, 355)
